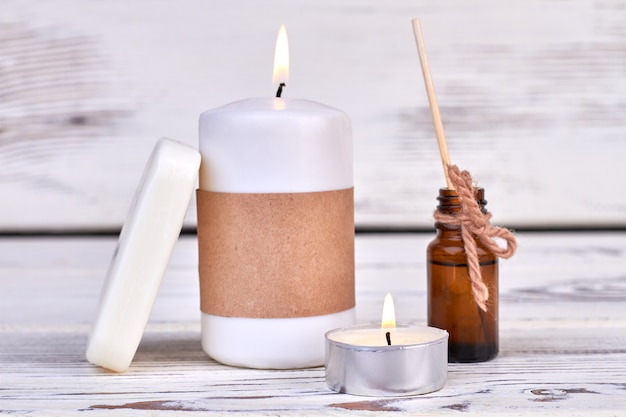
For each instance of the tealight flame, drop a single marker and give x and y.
(389, 313)
(281, 58)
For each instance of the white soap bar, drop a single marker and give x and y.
(142, 254)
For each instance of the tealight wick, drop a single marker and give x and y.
(280, 89)
(388, 336)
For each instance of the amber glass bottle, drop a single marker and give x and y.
(451, 306)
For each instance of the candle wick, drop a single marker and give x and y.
(388, 336)
(280, 89)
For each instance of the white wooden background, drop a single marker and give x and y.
(533, 95)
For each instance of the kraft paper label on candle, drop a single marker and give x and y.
(276, 255)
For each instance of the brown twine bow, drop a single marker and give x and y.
(475, 224)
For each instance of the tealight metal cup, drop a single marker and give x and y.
(387, 371)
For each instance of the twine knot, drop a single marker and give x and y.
(476, 225)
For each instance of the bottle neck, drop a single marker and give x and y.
(450, 204)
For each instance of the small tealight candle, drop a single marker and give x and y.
(386, 360)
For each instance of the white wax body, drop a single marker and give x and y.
(375, 336)
(273, 145)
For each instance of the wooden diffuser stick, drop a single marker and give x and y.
(432, 100)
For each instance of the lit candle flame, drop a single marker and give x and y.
(389, 313)
(281, 58)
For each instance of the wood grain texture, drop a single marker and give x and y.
(562, 321)
(531, 95)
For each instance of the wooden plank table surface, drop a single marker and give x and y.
(562, 321)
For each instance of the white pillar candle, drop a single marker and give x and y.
(273, 145)
(275, 228)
